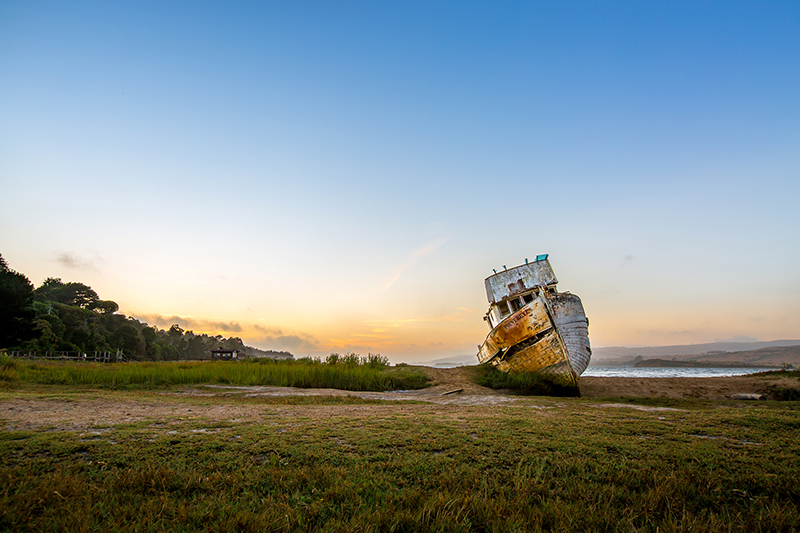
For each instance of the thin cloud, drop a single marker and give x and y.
(268, 330)
(275, 338)
(188, 323)
(72, 260)
(416, 256)
(288, 342)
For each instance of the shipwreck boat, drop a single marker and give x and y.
(535, 328)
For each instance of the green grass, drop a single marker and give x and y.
(530, 383)
(340, 372)
(543, 465)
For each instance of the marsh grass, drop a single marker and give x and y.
(347, 372)
(781, 392)
(553, 465)
(530, 383)
(785, 394)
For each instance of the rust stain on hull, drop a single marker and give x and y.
(529, 321)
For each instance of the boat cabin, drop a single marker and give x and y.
(224, 355)
(514, 288)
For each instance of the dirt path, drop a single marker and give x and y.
(451, 389)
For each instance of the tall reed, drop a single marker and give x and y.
(349, 372)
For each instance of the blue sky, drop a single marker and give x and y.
(320, 177)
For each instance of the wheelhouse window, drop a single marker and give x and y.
(503, 307)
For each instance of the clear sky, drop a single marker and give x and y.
(342, 176)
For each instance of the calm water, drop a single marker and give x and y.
(632, 372)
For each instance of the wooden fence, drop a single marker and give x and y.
(96, 357)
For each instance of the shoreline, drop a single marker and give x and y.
(672, 372)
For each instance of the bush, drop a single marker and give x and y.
(785, 394)
(374, 361)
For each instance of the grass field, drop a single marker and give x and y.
(235, 463)
(348, 372)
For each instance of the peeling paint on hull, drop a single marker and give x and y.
(548, 333)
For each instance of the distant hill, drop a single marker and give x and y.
(773, 355)
(623, 354)
(674, 363)
(453, 361)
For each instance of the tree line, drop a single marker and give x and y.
(70, 316)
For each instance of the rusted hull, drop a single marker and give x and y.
(546, 356)
(529, 341)
(529, 321)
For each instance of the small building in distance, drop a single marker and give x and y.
(224, 355)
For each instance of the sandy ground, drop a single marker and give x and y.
(719, 388)
(451, 388)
